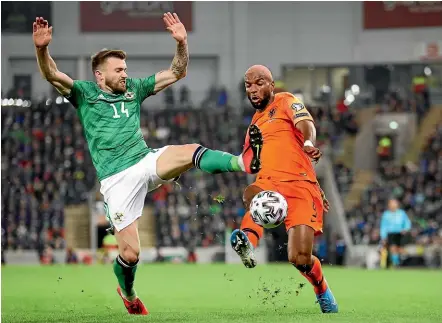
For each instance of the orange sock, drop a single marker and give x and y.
(253, 231)
(315, 276)
(253, 238)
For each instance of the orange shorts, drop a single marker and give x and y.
(305, 206)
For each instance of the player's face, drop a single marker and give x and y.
(393, 205)
(114, 72)
(259, 90)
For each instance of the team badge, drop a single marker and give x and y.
(272, 113)
(118, 217)
(297, 106)
(129, 95)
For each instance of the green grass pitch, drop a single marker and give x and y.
(218, 293)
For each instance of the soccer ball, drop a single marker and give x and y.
(268, 209)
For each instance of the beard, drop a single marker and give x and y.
(260, 105)
(117, 87)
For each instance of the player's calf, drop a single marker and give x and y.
(300, 247)
(125, 265)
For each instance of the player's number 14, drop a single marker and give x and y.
(123, 110)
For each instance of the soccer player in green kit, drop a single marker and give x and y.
(109, 110)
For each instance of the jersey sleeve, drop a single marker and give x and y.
(145, 87)
(77, 94)
(297, 111)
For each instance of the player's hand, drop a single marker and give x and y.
(175, 27)
(42, 33)
(325, 202)
(313, 152)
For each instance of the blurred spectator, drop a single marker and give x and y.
(71, 256)
(394, 225)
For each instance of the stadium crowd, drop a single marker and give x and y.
(45, 166)
(417, 187)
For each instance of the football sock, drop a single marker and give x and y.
(253, 237)
(314, 275)
(215, 161)
(125, 273)
(253, 231)
(395, 259)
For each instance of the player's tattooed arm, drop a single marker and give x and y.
(181, 60)
(42, 36)
(178, 68)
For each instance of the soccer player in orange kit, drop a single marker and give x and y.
(280, 143)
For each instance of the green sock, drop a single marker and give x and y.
(215, 161)
(126, 276)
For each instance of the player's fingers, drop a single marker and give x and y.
(170, 29)
(34, 27)
(176, 17)
(50, 30)
(166, 22)
(171, 18)
(167, 18)
(45, 23)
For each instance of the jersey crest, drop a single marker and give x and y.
(272, 113)
(129, 95)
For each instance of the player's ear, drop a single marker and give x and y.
(272, 85)
(98, 75)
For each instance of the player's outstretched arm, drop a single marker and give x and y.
(178, 68)
(42, 36)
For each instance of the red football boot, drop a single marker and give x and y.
(135, 307)
(252, 152)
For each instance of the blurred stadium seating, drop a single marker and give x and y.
(416, 186)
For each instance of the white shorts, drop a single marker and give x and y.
(124, 193)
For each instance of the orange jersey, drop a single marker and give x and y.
(282, 155)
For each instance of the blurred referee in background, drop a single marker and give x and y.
(394, 225)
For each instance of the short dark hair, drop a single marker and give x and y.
(100, 57)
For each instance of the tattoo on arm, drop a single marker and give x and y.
(180, 61)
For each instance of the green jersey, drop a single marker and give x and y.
(111, 123)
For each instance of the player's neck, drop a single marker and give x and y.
(105, 88)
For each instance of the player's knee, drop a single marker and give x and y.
(249, 194)
(130, 255)
(186, 153)
(300, 259)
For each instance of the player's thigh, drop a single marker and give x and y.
(304, 220)
(175, 160)
(249, 194)
(124, 194)
(247, 222)
(304, 205)
(300, 244)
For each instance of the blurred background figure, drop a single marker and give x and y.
(395, 225)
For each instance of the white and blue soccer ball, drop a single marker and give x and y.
(268, 209)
